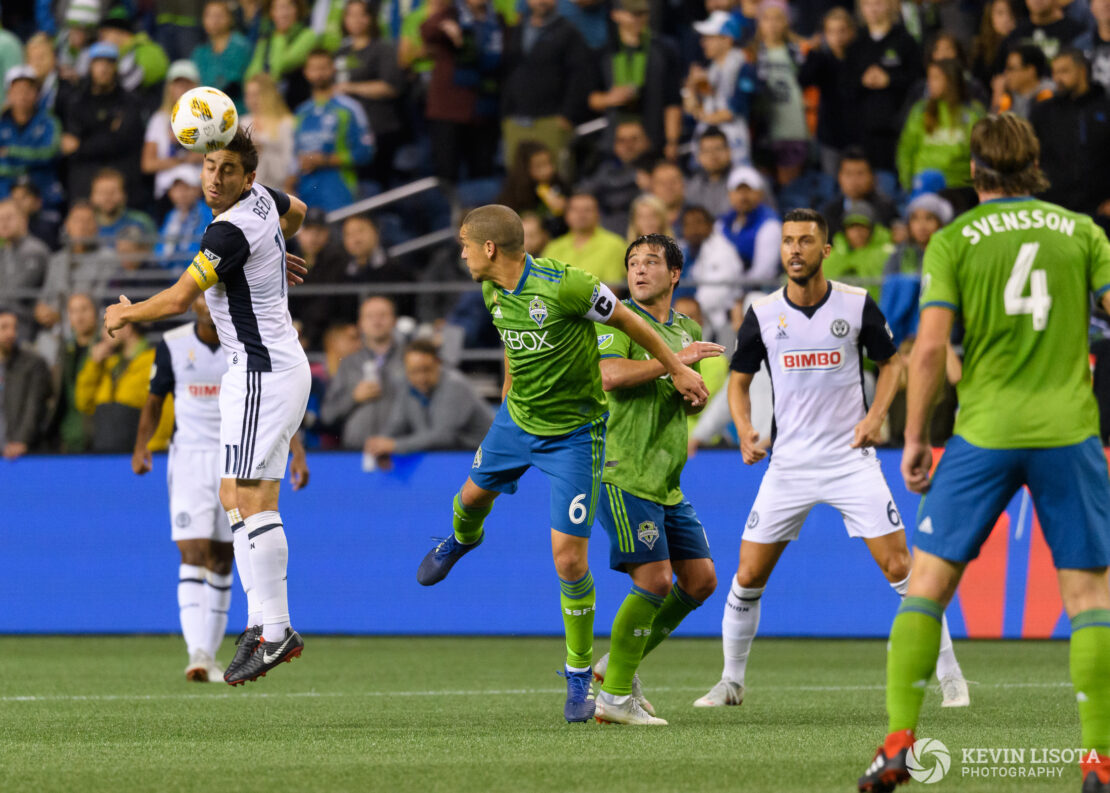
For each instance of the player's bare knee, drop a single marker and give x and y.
(700, 584)
(194, 552)
(221, 557)
(571, 564)
(655, 578)
(474, 497)
(752, 576)
(896, 566)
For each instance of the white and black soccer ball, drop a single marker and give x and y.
(204, 119)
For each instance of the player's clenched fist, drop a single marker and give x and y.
(868, 432)
(141, 461)
(113, 316)
(750, 448)
(917, 461)
(690, 385)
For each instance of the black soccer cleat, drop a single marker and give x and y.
(1096, 774)
(266, 656)
(245, 646)
(888, 769)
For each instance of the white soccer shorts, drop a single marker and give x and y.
(784, 500)
(259, 413)
(193, 476)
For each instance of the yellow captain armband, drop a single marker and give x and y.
(203, 269)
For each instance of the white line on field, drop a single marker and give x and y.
(500, 692)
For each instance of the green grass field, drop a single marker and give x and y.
(485, 714)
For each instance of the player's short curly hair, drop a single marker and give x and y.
(805, 215)
(672, 254)
(1005, 152)
(243, 146)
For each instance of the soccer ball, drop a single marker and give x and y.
(204, 119)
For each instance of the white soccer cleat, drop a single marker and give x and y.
(726, 692)
(608, 711)
(198, 670)
(954, 690)
(637, 688)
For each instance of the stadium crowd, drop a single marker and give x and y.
(717, 117)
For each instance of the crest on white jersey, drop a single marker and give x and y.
(648, 534)
(839, 328)
(537, 310)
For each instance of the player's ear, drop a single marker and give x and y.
(491, 249)
(250, 179)
(826, 250)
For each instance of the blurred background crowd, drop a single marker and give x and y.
(597, 120)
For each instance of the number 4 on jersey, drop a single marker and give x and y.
(1039, 301)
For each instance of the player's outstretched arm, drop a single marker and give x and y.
(167, 303)
(627, 373)
(141, 462)
(869, 431)
(927, 364)
(686, 380)
(293, 218)
(740, 406)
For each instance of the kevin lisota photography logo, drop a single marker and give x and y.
(930, 761)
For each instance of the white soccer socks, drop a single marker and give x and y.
(218, 589)
(738, 628)
(243, 564)
(269, 558)
(191, 601)
(947, 665)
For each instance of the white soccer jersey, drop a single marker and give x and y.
(191, 370)
(813, 354)
(242, 265)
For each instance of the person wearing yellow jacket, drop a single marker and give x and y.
(112, 387)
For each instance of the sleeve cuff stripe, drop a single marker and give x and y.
(612, 355)
(940, 304)
(1102, 290)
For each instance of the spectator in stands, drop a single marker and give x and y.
(1046, 27)
(721, 95)
(669, 186)
(283, 51)
(177, 27)
(272, 128)
(856, 182)
(752, 226)
(332, 139)
(367, 263)
(368, 71)
(83, 265)
(547, 78)
(647, 216)
(613, 184)
(163, 156)
(713, 268)
(108, 197)
(225, 54)
(78, 34)
(937, 133)
(179, 237)
(885, 63)
(112, 387)
(42, 221)
(778, 59)
(360, 397)
(1026, 81)
(925, 215)
(142, 62)
(134, 252)
(103, 128)
(11, 54)
(996, 23)
(1074, 130)
(29, 138)
(587, 245)
(640, 79)
(23, 261)
(39, 52)
(251, 18)
(536, 235)
(438, 409)
(24, 391)
(465, 43)
(1095, 44)
(533, 185)
(326, 262)
(339, 341)
(827, 68)
(72, 427)
(708, 187)
(861, 250)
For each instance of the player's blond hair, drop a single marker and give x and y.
(498, 224)
(1006, 151)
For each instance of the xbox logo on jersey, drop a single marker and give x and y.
(928, 760)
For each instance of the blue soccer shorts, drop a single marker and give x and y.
(643, 531)
(571, 462)
(972, 486)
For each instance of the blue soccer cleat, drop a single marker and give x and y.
(579, 706)
(439, 561)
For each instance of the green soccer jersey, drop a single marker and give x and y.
(1018, 272)
(645, 440)
(547, 326)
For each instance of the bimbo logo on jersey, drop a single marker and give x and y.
(812, 360)
(204, 390)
